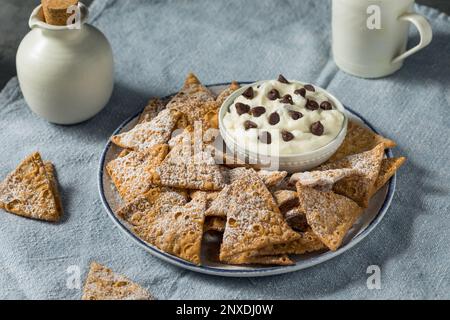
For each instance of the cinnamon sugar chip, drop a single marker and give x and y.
(359, 139)
(308, 242)
(272, 178)
(31, 191)
(358, 188)
(148, 134)
(151, 111)
(296, 219)
(286, 200)
(50, 170)
(330, 215)
(194, 101)
(227, 92)
(248, 259)
(188, 167)
(388, 168)
(103, 284)
(323, 180)
(156, 200)
(214, 224)
(178, 231)
(253, 218)
(131, 174)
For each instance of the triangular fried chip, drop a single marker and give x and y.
(151, 111)
(358, 140)
(103, 284)
(194, 100)
(227, 92)
(214, 224)
(308, 242)
(330, 215)
(358, 188)
(272, 178)
(324, 180)
(148, 134)
(50, 170)
(286, 200)
(188, 167)
(253, 218)
(155, 201)
(269, 178)
(296, 219)
(248, 259)
(30, 191)
(388, 168)
(178, 231)
(131, 174)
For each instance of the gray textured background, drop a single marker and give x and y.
(14, 25)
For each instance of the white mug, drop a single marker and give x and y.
(370, 37)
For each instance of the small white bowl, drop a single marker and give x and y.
(290, 163)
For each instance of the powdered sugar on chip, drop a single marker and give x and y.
(148, 134)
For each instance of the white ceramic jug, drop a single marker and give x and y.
(66, 74)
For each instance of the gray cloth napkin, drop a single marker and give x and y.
(156, 43)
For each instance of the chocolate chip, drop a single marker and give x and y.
(282, 79)
(326, 105)
(287, 136)
(312, 105)
(273, 94)
(250, 125)
(295, 114)
(274, 118)
(265, 137)
(249, 93)
(258, 111)
(310, 87)
(317, 128)
(301, 92)
(287, 99)
(242, 108)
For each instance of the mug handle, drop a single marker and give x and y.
(425, 31)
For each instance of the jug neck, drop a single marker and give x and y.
(37, 21)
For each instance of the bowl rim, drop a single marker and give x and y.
(233, 273)
(288, 157)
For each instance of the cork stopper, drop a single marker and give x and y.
(55, 11)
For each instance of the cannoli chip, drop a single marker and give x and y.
(358, 140)
(194, 101)
(131, 174)
(308, 242)
(323, 180)
(286, 200)
(151, 111)
(272, 178)
(330, 215)
(249, 259)
(253, 218)
(30, 191)
(155, 201)
(103, 284)
(148, 134)
(178, 231)
(215, 224)
(358, 188)
(227, 92)
(188, 168)
(388, 169)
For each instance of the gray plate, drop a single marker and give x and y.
(365, 224)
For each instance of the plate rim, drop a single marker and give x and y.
(266, 271)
